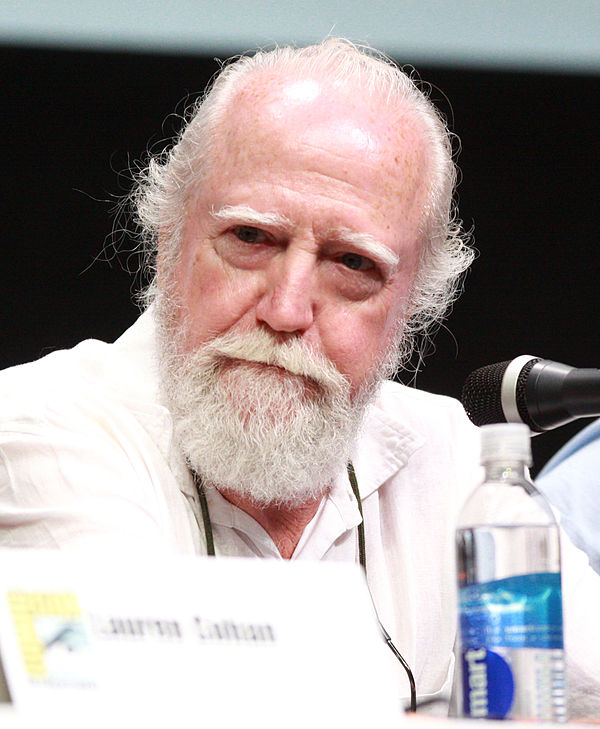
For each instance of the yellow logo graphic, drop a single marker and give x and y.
(49, 626)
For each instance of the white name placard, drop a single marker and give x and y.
(204, 640)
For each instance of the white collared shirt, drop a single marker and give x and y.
(86, 461)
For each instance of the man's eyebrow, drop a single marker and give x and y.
(245, 215)
(365, 243)
(370, 246)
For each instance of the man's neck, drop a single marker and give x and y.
(283, 524)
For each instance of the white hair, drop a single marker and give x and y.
(164, 186)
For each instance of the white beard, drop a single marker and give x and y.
(267, 420)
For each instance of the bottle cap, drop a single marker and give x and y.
(506, 442)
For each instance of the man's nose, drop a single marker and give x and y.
(287, 304)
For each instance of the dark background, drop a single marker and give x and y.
(76, 122)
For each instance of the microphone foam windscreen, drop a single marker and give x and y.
(481, 394)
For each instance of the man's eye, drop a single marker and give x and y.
(249, 235)
(356, 262)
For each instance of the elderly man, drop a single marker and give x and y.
(304, 234)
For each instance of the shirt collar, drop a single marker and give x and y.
(384, 446)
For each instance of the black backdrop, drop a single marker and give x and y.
(75, 122)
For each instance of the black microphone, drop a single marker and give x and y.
(540, 393)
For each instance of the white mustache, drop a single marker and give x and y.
(293, 355)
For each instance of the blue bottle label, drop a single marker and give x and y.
(488, 684)
(499, 619)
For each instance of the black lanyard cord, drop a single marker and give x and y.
(208, 532)
(362, 558)
(362, 548)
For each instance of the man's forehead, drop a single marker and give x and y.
(296, 111)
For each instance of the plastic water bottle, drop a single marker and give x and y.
(511, 662)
